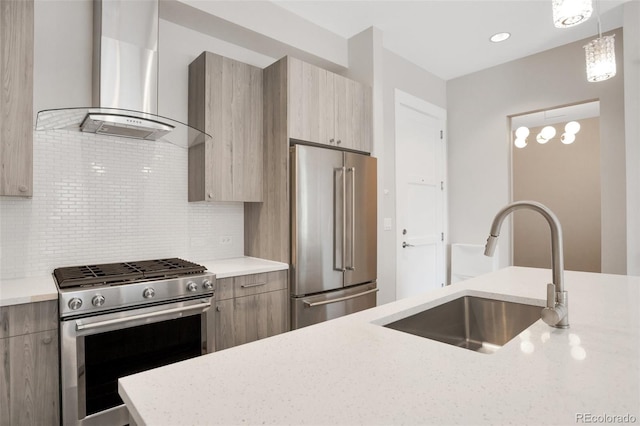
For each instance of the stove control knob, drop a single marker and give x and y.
(207, 285)
(191, 286)
(98, 300)
(148, 293)
(75, 303)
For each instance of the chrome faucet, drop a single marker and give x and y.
(556, 314)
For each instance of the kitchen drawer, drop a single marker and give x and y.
(16, 320)
(247, 285)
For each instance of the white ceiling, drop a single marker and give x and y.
(450, 38)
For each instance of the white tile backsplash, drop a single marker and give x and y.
(104, 199)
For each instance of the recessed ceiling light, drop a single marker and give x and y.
(498, 37)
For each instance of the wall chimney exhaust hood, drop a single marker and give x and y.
(125, 80)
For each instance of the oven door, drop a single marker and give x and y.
(97, 350)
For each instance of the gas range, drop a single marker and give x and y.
(90, 289)
(118, 319)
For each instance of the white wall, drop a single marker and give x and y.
(632, 128)
(62, 54)
(103, 199)
(479, 160)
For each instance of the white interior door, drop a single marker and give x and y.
(420, 191)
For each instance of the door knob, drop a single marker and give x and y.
(405, 244)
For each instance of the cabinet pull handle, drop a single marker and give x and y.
(252, 285)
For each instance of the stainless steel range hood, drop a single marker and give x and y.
(125, 79)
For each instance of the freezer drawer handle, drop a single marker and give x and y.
(339, 299)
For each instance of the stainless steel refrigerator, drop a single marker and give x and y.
(333, 234)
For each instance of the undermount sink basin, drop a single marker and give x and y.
(474, 323)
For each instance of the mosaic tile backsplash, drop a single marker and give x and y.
(103, 199)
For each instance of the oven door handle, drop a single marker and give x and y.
(100, 324)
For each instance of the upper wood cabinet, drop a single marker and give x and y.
(327, 108)
(16, 98)
(225, 101)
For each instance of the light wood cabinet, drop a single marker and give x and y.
(251, 307)
(29, 380)
(327, 108)
(16, 98)
(225, 101)
(307, 103)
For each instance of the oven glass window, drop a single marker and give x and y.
(115, 354)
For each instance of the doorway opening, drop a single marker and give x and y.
(555, 157)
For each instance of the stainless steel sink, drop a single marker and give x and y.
(474, 323)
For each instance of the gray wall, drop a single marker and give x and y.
(479, 159)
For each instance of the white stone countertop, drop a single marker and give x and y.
(353, 371)
(225, 268)
(27, 290)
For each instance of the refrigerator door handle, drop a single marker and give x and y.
(342, 267)
(344, 218)
(352, 267)
(339, 299)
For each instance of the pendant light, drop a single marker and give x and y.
(567, 13)
(600, 55)
(601, 58)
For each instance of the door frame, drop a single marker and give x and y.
(405, 99)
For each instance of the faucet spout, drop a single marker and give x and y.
(556, 313)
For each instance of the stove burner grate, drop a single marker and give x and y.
(118, 273)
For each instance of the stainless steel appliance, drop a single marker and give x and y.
(333, 235)
(123, 318)
(125, 80)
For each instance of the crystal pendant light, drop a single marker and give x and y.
(601, 58)
(567, 13)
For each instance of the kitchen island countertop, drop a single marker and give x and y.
(354, 371)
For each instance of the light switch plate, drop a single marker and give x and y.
(387, 224)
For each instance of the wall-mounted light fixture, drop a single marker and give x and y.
(546, 134)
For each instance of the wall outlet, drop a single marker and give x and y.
(226, 240)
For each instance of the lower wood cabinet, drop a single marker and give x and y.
(29, 379)
(251, 307)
